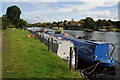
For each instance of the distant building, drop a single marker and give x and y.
(72, 21)
(57, 28)
(102, 30)
(75, 24)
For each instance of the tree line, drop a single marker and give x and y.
(87, 23)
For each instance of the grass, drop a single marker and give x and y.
(114, 29)
(85, 29)
(29, 58)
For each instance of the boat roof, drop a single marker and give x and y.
(78, 40)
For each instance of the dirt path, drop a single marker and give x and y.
(0, 55)
(0, 41)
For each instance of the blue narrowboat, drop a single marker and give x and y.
(91, 51)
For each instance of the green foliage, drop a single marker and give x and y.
(118, 24)
(114, 29)
(21, 23)
(54, 25)
(0, 23)
(89, 23)
(12, 18)
(57, 32)
(84, 29)
(82, 21)
(13, 12)
(5, 22)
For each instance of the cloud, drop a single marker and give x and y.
(99, 14)
(48, 12)
(15, 0)
(32, 20)
(59, 1)
(85, 6)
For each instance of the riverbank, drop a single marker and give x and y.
(29, 58)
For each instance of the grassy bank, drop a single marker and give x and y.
(28, 58)
(85, 29)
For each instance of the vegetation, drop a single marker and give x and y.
(57, 32)
(13, 12)
(89, 23)
(83, 24)
(12, 18)
(29, 58)
(0, 23)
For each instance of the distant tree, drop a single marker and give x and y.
(44, 24)
(0, 23)
(118, 24)
(54, 22)
(89, 23)
(13, 12)
(13, 16)
(82, 21)
(39, 24)
(113, 23)
(54, 25)
(5, 22)
(48, 24)
(22, 23)
(108, 23)
(65, 24)
(4, 25)
(61, 25)
(98, 24)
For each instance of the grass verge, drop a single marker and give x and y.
(29, 58)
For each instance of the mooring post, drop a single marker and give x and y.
(48, 44)
(70, 61)
(43, 38)
(40, 36)
(76, 57)
(52, 43)
(43, 35)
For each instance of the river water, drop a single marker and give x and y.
(110, 37)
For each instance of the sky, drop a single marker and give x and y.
(58, 10)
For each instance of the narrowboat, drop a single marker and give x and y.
(91, 51)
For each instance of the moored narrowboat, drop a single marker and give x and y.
(91, 51)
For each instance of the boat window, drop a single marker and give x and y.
(87, 50)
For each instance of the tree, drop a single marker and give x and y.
(82, 21)
(65, 24)
(5, 22)
(13, 12)
(12, 18)
(118, 24)
(89, 23)
(0, 23)
(21, 23)
(98, 24)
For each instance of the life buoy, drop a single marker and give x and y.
(65, 34)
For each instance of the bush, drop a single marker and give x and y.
(57, 32)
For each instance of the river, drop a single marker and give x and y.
(110, 37)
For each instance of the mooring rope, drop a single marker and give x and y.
(84, 70)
